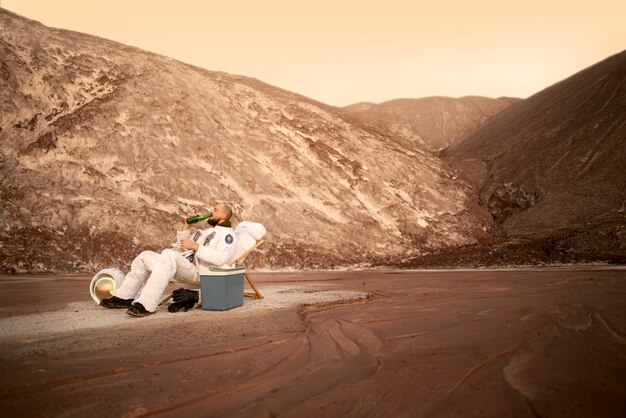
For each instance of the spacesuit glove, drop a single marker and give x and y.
(183, 295)
(177, 306)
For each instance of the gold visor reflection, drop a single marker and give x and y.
(103, 287)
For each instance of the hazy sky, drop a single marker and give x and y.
(342, 52)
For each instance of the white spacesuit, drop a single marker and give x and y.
(215, 247)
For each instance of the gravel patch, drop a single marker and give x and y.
(86, 315)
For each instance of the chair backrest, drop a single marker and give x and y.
(248, 237)
(242, 257)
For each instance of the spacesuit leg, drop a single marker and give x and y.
(140, 270)
(170, 265)
(186, 271)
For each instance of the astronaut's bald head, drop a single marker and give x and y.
(219, 214)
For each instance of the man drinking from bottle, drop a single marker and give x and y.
(210, 246)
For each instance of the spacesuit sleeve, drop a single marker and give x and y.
(217, 251)
(184, 234)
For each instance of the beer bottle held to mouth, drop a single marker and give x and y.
(197, 218)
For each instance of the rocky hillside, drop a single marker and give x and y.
(106, 147)
(555, 164)
(436, 122)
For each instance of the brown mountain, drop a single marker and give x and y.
(436, 122)
(555, 163)
(106, 147)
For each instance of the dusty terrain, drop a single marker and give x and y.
(548, 342)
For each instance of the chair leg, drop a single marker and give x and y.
(256, 294)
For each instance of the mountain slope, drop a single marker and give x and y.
(558, 159)
(106, 147)
(436, 122)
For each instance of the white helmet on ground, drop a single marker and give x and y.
(103, 282)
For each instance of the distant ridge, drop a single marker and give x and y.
(437, 122)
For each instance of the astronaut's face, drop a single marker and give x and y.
(217, 215)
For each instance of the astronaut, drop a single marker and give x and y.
(210, 246)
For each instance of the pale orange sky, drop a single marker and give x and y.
(343, 52)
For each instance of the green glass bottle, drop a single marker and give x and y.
(197, 218)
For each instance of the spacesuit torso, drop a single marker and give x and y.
(215, 245)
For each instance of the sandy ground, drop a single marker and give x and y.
(546, 342)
